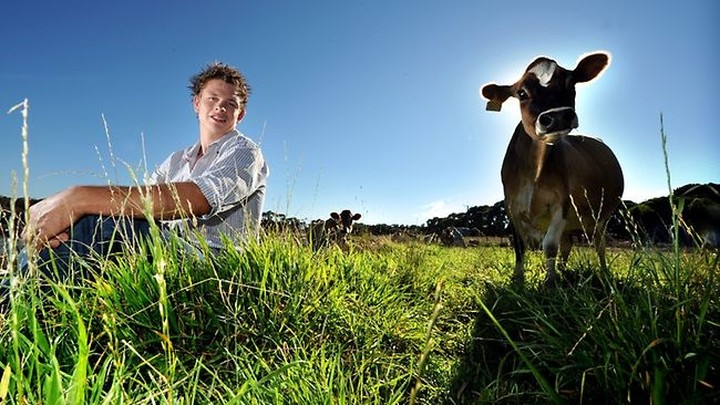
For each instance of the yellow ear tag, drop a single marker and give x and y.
(493, 105)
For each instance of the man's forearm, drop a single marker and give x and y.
(50, 218)
(161, 201)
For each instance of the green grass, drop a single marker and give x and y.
(386, 323)
(391, 323)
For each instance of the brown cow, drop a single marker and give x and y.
(333, 230)
(703, 216)
(555, 184)
(451, 236)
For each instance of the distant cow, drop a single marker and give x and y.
(555, 184)
(451, 236)
(333, 230)
(703, 216)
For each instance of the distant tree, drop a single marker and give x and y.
(278, 222)
(651, 219)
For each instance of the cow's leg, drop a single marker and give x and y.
(551, 243)
(565, 247)
(599, 242)
(519, 247)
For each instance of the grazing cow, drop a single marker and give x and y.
(451, 236)
(333, 230)
(703, 216)
(555, 184)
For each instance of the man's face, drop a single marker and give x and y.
(218, 108)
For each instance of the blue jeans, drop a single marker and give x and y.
(91, 236)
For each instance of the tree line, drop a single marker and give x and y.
(650, 221)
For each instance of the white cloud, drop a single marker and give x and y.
(440, 208)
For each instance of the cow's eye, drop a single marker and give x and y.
(522, 95)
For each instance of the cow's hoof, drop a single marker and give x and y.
(550, 283)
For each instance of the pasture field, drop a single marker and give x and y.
(386, 323)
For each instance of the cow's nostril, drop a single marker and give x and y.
(546, 121)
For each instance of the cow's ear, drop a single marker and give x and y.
(334, 215)
(496, 95)
(356, 217)
(590, 67)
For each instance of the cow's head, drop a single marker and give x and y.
(547, 95)
(344, 221)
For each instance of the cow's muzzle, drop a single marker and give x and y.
(555, 123)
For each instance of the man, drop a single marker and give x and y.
(211, 189)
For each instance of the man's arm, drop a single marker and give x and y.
(52, 217)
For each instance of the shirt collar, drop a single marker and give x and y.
(191, 153)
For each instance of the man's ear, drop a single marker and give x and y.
(241, 115)
(496, 95)
(196, 103)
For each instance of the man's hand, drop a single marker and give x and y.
(49, 221)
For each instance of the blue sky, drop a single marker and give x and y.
(366, 105)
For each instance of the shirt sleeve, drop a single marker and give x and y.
(160, 174)
(235, 174)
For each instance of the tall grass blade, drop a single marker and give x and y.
(5, 382)
(547, 388)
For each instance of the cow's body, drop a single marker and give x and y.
(333, 230)
(555, 184)
(451, 236)
(703, 216)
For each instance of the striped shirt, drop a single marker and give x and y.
(232, 176)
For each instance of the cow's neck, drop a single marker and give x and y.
(529, 153)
